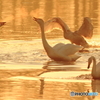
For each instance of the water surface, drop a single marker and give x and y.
(23, 57)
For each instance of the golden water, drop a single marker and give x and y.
(21, 47)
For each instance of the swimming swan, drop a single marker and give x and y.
(60, 52)
(95, 69)
(76, 37)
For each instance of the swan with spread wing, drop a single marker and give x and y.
(77, 37)
(60, 52)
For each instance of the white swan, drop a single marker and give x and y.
(76, 37)
(2, 23)
(60, 52)
(95, 69)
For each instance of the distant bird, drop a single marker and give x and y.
(77, 37)
(60, 52)
(95, 69)
(2, 23)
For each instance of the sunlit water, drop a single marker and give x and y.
(23, 57)
(22, 53)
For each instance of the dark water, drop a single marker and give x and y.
(20, 25)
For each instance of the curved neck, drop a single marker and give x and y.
(47, 47)
(64, 26)
(94, 66)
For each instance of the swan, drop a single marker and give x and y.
(86, 28)
(76, 37)
(60, 52)
(2, 23)
(95, 69)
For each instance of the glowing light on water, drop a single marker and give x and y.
(94, 41)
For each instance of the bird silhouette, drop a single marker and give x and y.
(95, 69)
(60, 52)
(2, 23)
(77, 37)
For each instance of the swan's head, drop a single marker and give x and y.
(90, 61)
(87, 19)
(38, 20)
(2, 23)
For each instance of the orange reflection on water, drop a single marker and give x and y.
(8, 18)
(35, 13)
(19, 14)
(19, 90)
(23, 11)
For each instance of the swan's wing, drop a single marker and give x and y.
(74, 57)
(69, 49)
(58, 46)
(2, 23)
(86, 29)
(51, 25)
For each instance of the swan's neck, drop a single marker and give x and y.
(64, 27)
(47, 47)
(94, 66)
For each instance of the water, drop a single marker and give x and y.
(23, 58)
(20, 88)
(18, 15)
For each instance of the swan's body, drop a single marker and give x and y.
(95, 69)
(2, 23)
(60, 52)
(76, 37)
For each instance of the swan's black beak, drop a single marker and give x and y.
(34, 18)
(88, 65)
(2, 23)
